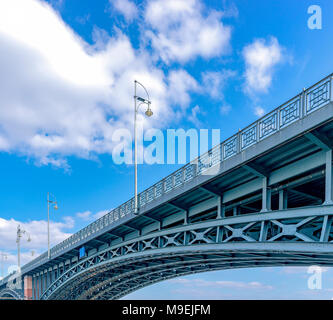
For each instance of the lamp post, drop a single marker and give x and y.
(55, 207)
(20, 233)
(3, 258)
(148, 113)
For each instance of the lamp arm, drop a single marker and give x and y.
(137, 108)
(143, 88)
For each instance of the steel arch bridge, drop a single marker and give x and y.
(261, 198)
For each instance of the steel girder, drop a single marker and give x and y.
(300, 236)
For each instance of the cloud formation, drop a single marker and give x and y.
(261, 57)
(221, 284)
(127, 8)
(180, 30)
(61, 96)
(37, 230)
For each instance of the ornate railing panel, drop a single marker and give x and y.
(249, 137)
(230, 147)
(319, 95)
(290, 112)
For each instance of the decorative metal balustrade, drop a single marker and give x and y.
(310, 100)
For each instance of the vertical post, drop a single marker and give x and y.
(303, 104)
(39, 285)
(223, 210)
(266, 196)
(269, 199)
(283, 199)
(135, 157)
(35, 287)
(219, 207)
(18, 248)
(328, 179)
(185, 217)
(48, 225)
(27, 288)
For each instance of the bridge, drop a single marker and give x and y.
(261, 198)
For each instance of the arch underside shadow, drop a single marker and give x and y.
(117, 278)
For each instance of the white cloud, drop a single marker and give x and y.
(126, 8)
(181, 31)
(86, 215)
(261, 57)
(100, 214)
(37, 229)
(193, 117)
(57, 3)
(259, 111)
(225, 109)
(180, 85)
(61, 96)
(89, 216)
(221, 284)
(214, 82)
(301, 270)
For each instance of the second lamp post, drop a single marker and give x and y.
(55, 206)
(148, 113)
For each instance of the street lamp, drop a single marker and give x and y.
(20, 233)
(55, 207)
(148, 113)
(3, 258)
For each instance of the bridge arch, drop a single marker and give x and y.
(294, 237)
(9, 294)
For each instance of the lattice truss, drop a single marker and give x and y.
(310, 229)
(11, 293)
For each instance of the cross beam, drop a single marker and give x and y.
(321, 141)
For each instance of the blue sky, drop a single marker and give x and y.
(67, 71)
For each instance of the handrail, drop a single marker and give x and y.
(296, 108)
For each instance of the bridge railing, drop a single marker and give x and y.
(6, 278)
(298, 107)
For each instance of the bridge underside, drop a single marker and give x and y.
(114, 280)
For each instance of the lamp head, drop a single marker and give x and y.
(149, 113)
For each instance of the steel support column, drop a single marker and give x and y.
(220, 207)
(283, 199)
(328, 179)
(266, 195)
